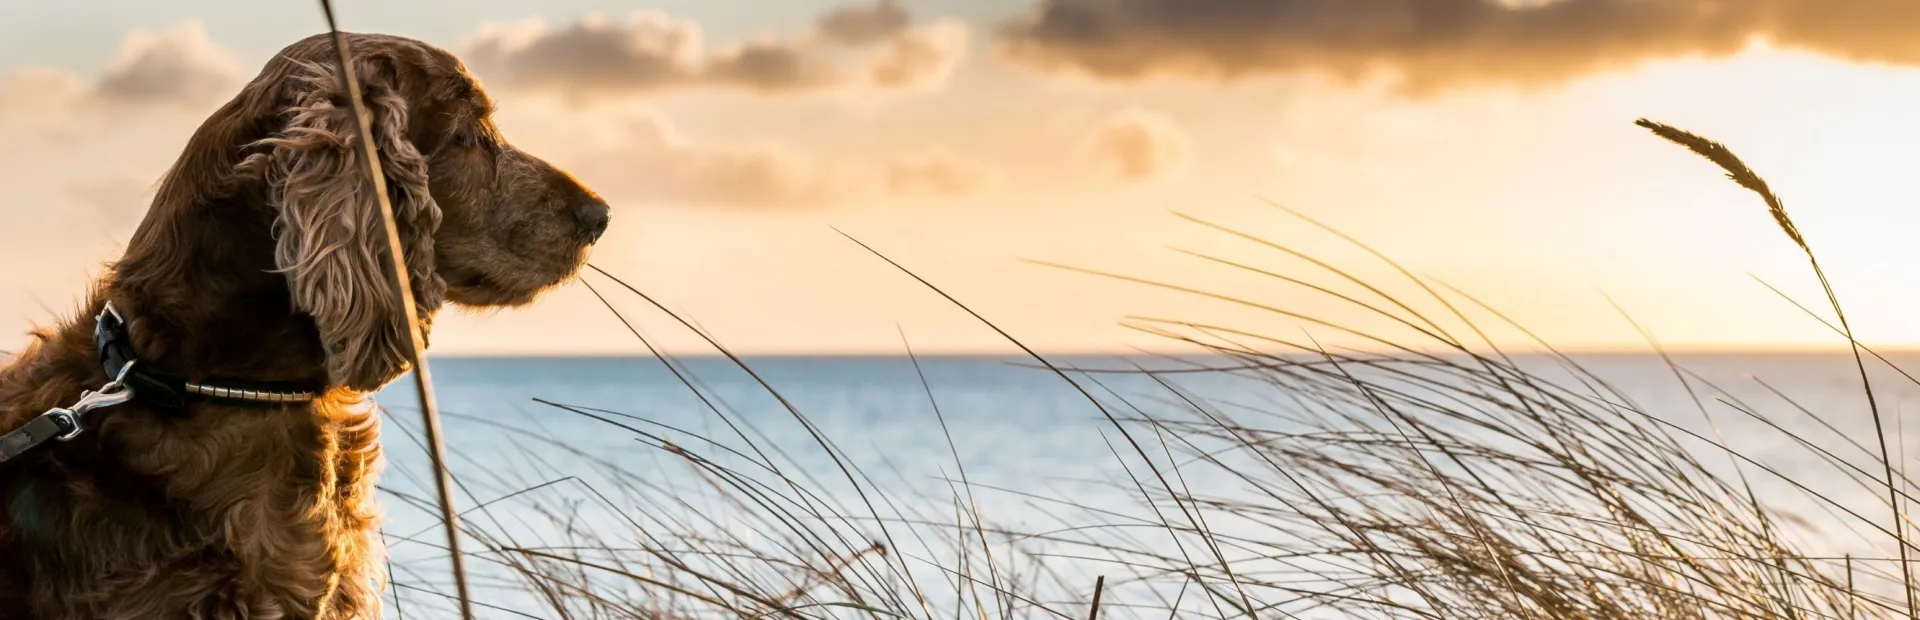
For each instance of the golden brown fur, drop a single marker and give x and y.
(262, 258)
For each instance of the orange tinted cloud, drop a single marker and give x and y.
(118, 200)
(639, 160)
(650, 52)
(921, 58)
(937, 172)
(1429, 44)
(1139, 145)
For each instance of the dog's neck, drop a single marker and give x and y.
(206, 302)
(198, 285)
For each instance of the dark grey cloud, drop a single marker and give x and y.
(1431, 44)
(650, 52)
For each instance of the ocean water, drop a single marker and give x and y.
(554, 454)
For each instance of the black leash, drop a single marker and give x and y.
(130, 381)
(63, 423)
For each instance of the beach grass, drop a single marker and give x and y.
(1437, 477)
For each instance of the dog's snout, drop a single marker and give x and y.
(593, 216)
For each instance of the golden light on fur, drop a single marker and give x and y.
(263, 259)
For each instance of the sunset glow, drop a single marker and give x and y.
(972, 141)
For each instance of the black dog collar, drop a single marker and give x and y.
(115, 350)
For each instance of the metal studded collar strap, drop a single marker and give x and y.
(115, 349)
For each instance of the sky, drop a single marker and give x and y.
(1005, 149)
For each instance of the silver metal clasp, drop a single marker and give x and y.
(65, 419)
(109, 396)
(115, 392)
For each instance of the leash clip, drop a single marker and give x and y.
(64, 423)
(115, 392)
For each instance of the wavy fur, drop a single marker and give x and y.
(329, 231)
(262, 258)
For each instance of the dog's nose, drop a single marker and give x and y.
(593, 216)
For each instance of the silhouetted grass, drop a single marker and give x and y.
(1437, 477)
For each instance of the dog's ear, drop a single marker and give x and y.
(330, 239)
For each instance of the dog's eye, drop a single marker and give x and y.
(466, 139)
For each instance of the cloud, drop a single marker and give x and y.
(177, 69)
(634, 157)
(939, 173)
(639, 158)
(923, 57)
(1432, 44)
(649, 53)
(117, 201)
(863, 24)
(177, 66)
(41, 93)
(1140, 145)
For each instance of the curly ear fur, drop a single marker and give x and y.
(330, 241)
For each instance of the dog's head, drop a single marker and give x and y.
(481, 223)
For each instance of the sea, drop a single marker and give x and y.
(638, 475)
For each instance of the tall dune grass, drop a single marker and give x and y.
(1443, 479)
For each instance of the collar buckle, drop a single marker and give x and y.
(106, 310)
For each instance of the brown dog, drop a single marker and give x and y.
(238, 482)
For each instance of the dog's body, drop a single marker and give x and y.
(263, 259)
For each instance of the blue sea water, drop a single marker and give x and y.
(1034, 450)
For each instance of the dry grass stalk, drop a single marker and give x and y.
(1737, 170)
(1462, 483)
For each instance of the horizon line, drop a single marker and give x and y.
(1904, 349)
